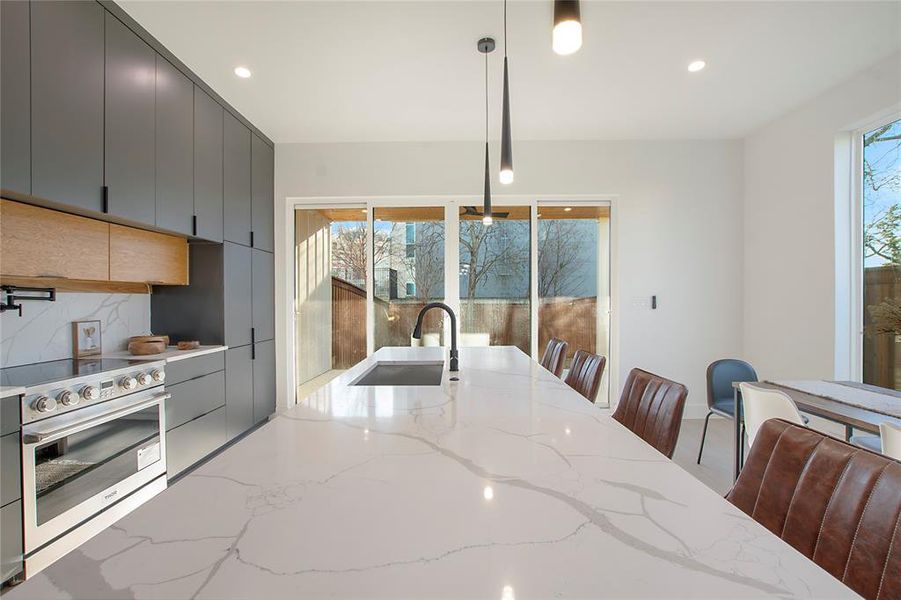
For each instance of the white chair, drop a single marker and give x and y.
(891, 440)
(762, 404)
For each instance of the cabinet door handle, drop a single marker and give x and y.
(251, 239)
(105, 195)
(193, 224)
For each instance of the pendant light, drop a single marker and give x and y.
(506, 174)
(486, 46)
(567, 37)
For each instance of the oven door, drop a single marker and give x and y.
(76, 465)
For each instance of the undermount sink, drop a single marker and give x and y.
(402, 373)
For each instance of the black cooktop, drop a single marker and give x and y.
(60, 370)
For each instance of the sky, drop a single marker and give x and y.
(884, 158)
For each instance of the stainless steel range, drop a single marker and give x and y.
(93, 448)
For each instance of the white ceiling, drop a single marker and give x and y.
(339, 71)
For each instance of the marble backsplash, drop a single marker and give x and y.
(44, 332)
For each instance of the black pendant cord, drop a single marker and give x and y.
(486, 205)
(506, 170)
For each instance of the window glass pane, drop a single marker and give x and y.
(882, 256)
(494, 278)
(330, 290)
(573, 280)
(408, 260)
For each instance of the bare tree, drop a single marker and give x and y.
(485, 248)
(350, 251)
(882, 231)
(561, 257)
(427, 263)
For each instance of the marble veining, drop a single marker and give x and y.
(505, 483)
(44, 332)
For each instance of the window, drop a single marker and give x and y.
(573, 280)
(495, 300)
(408, 260)
(882, 256)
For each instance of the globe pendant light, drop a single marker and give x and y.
(567, 37)
(486, 46)
(506, 174)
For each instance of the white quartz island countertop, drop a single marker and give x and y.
(504, 484)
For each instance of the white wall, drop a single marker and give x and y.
(678, 231)
(797, 223)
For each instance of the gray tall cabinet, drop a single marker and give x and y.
(67, 73)
(100, 119)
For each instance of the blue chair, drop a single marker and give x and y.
(720, 394)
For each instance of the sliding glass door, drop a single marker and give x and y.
(330, 252)
(408, 272)
(573, 279)
(364, 272)
(495, 275)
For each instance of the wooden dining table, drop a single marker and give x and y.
(870, 407)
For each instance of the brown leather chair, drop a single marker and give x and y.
(837, 504)
(554, 356)
(651, 406)
(585, 372)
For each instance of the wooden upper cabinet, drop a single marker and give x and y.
(58, 248)
(38, 242)
(67, 71)
(130, 123)
(155, 258)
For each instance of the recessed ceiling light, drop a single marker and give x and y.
(363, 210)
(488, 493)
(567, 209)
(242, 72)
(696, 66)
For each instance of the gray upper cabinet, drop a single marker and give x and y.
(207, 166)
(263, 380)
(236, 157)
(263, 296)
(67, 102)
(129, 151)
(15, 118)
(262, 176)
(237, 292)
(174, 148)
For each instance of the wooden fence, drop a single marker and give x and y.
(348, 324)
(881, 354)
(505, 321)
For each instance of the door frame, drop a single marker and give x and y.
(451, 204)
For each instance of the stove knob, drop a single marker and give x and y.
(45, 404)
(144, 379)
(128, 382)
(89, 392)
(67, 398)
(158, 375)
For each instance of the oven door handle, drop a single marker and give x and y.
(35, 437)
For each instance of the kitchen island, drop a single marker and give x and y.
(503, 484)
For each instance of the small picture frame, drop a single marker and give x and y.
(86, 339)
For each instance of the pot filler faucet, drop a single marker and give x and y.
(417, 331)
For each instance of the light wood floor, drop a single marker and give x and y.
(715, 470)
(305, 389)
